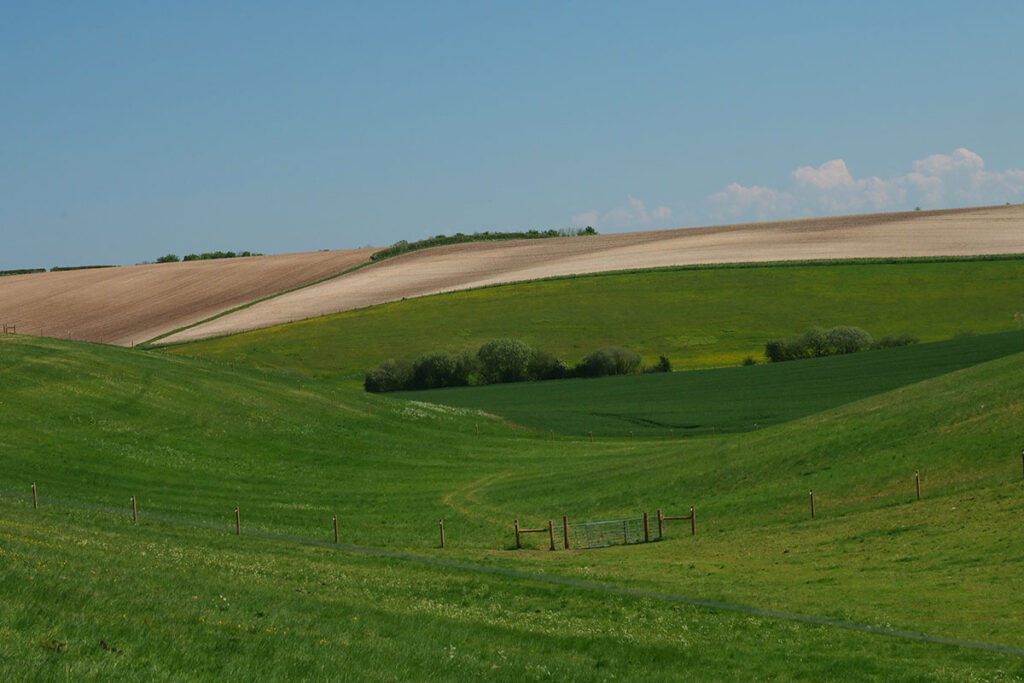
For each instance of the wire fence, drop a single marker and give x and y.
(551, 579)
(604, 534)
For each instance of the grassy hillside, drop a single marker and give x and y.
(698, 317)
(722, 400)
(192, 440)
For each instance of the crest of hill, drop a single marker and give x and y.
(952, 232)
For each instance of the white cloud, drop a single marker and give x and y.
(762, 203)
(633, 214)
(937, 181)
(940, 164)
(829, 176)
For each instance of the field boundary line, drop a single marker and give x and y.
(148, 343)
(569, 582)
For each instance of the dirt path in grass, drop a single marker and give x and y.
(131, 304)
(955, 232)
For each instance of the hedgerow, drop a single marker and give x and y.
(500, 361)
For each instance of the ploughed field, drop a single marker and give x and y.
(131, 304)
(134, 304)
(955, 232)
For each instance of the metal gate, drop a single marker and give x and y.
(604, 534)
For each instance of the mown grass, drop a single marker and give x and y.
(705, 402)
(192, 440)
(697, 317)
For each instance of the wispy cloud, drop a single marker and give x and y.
(632, 214)
(937, 181)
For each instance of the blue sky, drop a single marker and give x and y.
(132, 130)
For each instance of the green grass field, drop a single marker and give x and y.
(699, 318)
(709, 402)
(181, 596)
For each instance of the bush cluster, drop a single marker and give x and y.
(499, 361)
(205, 256)
(61, 269)
(22, 271)
(402, 246)
(817, 342)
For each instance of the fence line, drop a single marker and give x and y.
(566, 581)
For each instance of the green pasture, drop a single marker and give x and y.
(721, 400)
(179, 595)
(698, 317)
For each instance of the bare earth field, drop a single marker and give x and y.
(954, 232)
(130, 304)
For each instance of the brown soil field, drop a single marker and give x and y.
(130, 304)
(953, 232)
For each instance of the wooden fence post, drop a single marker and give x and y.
(591, 436)
(135, 511)
(917, 482)
(35, 498)
(478, 429)
(693, 521)
(661, 523)
(335, 528)
(631, 435)
(647, 529)
(812, 503)
(238, 522)
(441, 524)
(517, 534)
(565, 530)
(551, 534)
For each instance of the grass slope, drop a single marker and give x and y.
(193, 440)
(721, 400)
(699, 317)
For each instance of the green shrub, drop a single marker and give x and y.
(817, 342)
(845, 339)
(442, 369)
(170, 258)
(391, 375)
(814, 343)
(22, 271)
(611, 360)
(787, 348)
(545, 366)
(890, 341)
(505, 360)
(663, 365)
(403, 246)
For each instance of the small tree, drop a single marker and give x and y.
(814, 343)
(505, 360)
(845, 339)
(170, 258)
(611, 360)
(544, 365)
(391, 375)
(441, 369)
